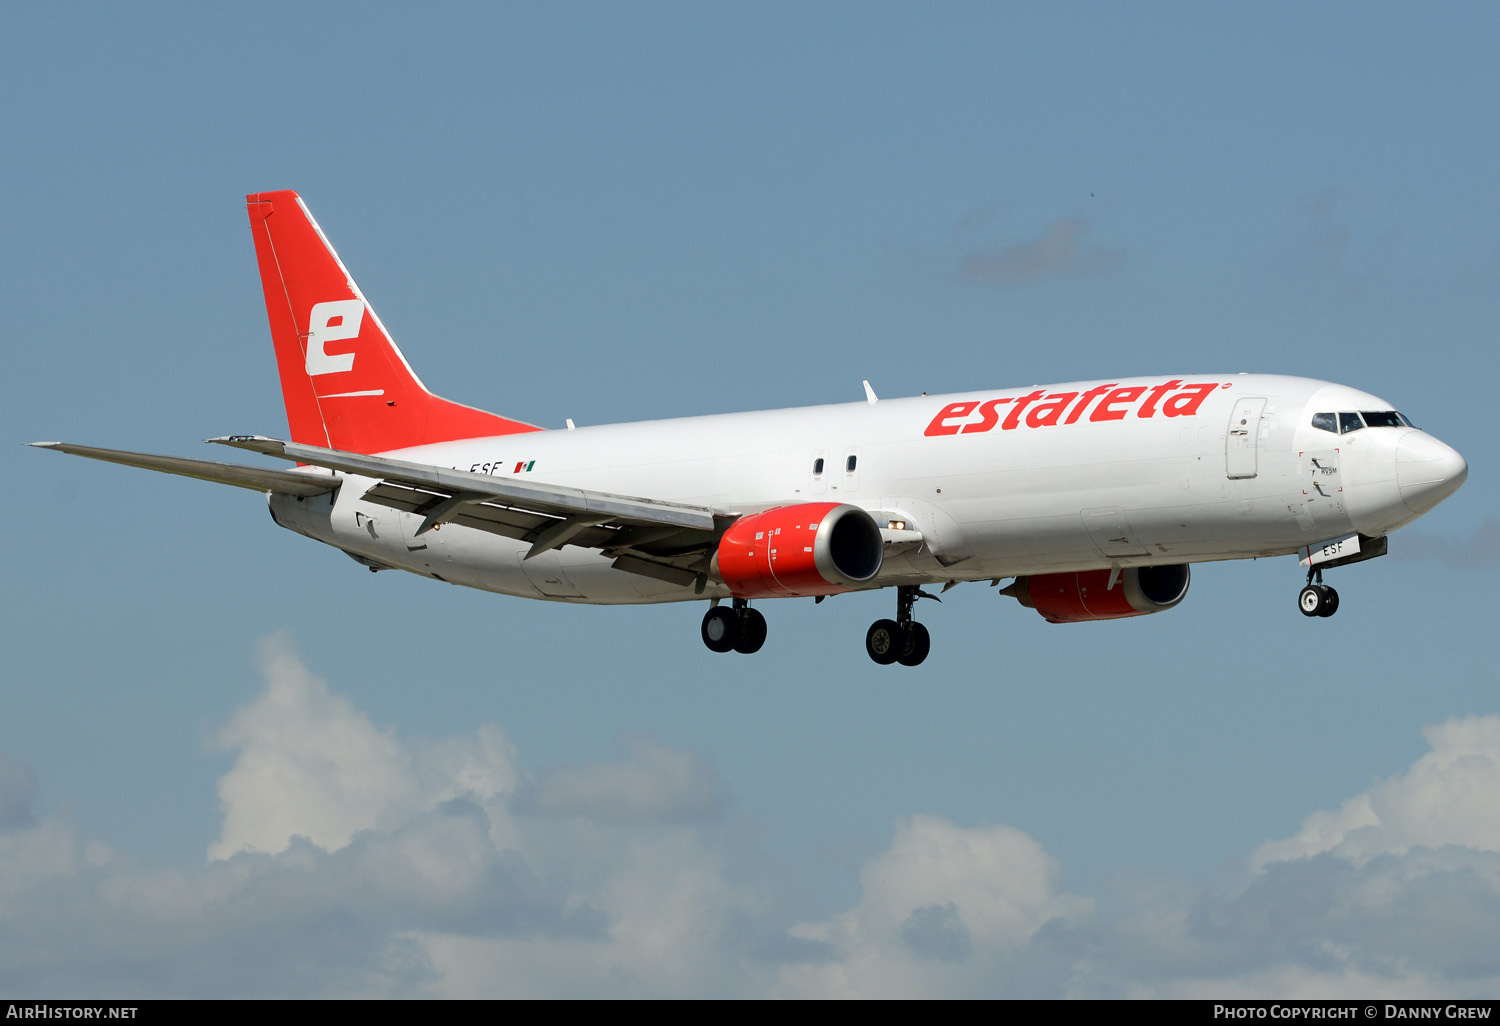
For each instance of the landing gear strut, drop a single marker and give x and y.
(1317, 599)
(741, 628)
(901, 640)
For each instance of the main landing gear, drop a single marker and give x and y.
(740, 628)
(1317, 599)
(901, 640)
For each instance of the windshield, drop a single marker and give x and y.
(1348, 421)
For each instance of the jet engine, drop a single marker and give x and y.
(813, 548)
(1090, 594)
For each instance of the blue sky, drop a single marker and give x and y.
(612, 214)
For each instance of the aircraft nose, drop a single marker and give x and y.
(1427, 471)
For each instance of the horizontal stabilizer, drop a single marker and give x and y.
(260, 479)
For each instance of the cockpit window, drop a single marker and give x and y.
(1407, 420)
(1347, 421)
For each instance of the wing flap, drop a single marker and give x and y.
(260, 479)
(553, 500)
(521, 524)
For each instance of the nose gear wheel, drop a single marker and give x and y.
(1317, 599)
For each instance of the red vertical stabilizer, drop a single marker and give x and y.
(345, 383)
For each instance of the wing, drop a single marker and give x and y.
(260, 479)
(665, 540)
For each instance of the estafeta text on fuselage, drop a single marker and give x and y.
(1040, 408)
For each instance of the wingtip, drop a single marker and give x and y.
(44, 445)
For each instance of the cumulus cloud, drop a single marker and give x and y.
(353, 862)
(1450, 797)
(649, 783)
(1394, 893)
(941, 893)
(308, 764)
(1059, 251)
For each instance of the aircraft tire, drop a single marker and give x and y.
(721, 629)
(752, 632)
(1310, 600)
(884, 641)
(918, 644)
(1330, 602)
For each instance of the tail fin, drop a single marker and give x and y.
(345, 383)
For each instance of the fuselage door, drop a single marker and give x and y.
(1244, 434)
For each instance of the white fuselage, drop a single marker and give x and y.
(992, 497)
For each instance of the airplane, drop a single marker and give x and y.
(1092, 497)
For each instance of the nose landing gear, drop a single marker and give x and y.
(901, 640)
(741, 628)
(1317, 599)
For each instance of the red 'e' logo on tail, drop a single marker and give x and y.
(332, 322)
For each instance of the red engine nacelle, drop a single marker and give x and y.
(814, 548)
(1086, 595)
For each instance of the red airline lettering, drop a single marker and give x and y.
(1085, 399)
(1053, 407)
(988, 415)
(1119, 395)
(1043, 410)
(1015, 411)
(1148, 408)
(952, 411)
(1186, 402)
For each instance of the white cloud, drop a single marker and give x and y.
(352, 862)
(308, 764)
(650, 783)
(1451, 796)
(938, 896)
